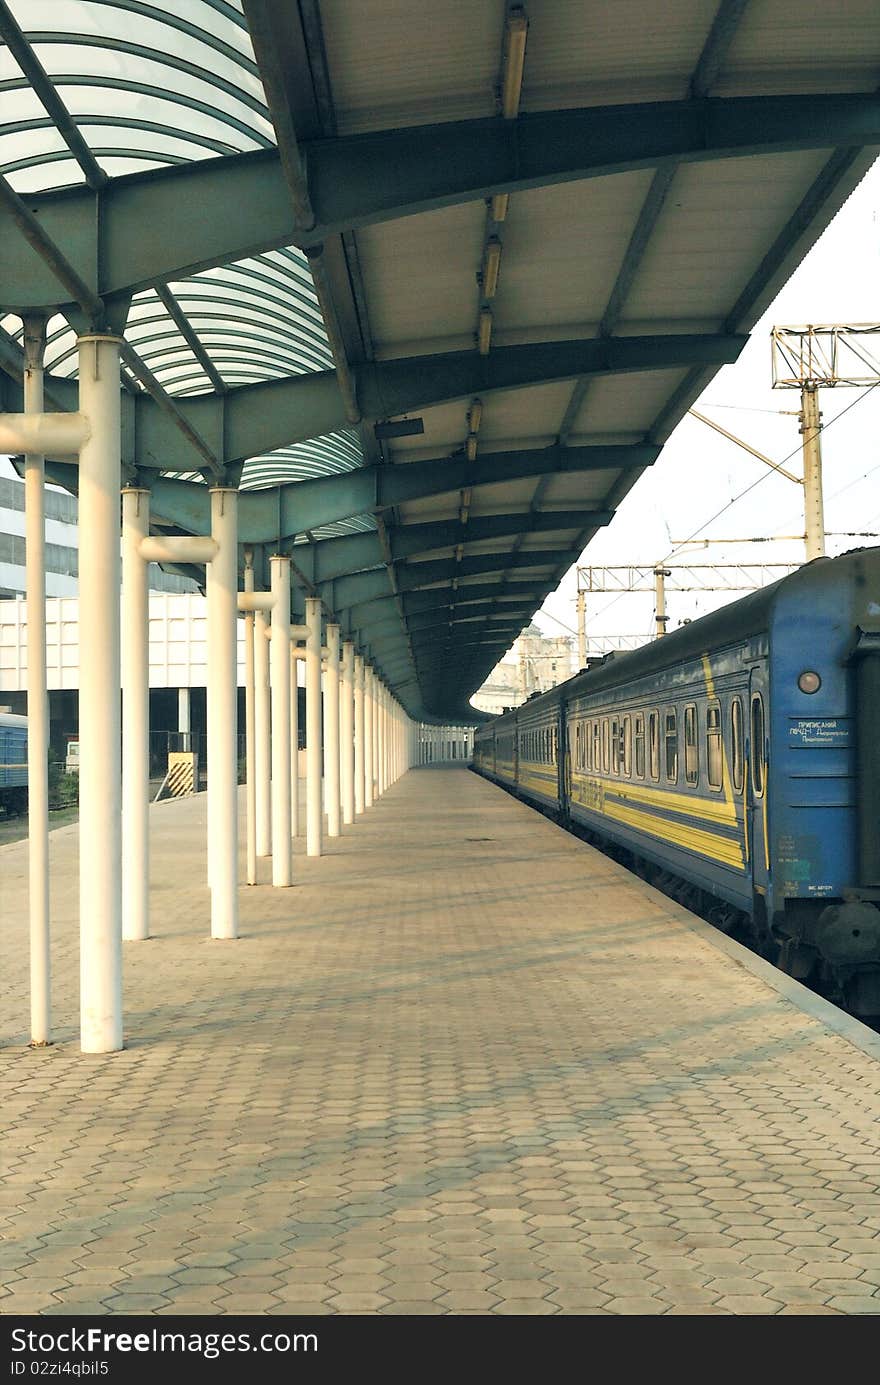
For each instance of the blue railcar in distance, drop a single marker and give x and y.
(735, 762)
(13, 762)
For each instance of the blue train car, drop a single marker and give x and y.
(13, 762)
(739, 757)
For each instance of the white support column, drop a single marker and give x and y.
(376, 745)
(279, 659)
(391, 734)
(397, 726)
(369, 683)
(222, 714)
(184, 713)
(294, 741)
(37, 697)
(380, 739)
(359, 795)
(314, 824)
(331, 732)
(262, 734)
(250, 726)
(100, 850)
(135, 718)
(346, 733)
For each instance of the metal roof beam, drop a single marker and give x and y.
(477, 591)
(362, 613)
(359, 180)
(275, 512)
(368, 586)
(265, 416)
(328, 558)
(259, 418)
(411, 576)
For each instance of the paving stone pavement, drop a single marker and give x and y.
(466, 1064)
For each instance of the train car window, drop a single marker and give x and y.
(714, 759)
(615, 746)
(691, 751)
(605, 747)
(626, 745)
(671, 745)
(736, 731)
(640, 744)
(654, 743)
(577, 745)
(596, 750)
(757, 746)
(554, 745)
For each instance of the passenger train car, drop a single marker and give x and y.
(13, 763)
(739, 755)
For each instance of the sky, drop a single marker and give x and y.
(699, 473)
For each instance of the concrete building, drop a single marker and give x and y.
(62, 543)
(535, 663)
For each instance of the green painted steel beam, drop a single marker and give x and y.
(170, 222)
(329, 558)
(363, 613)
(411, 576)
(367, 586)
(474, 592)
(276, 513)
(484, 614)
(275, 413)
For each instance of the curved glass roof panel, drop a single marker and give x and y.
(147, 84)
(317, 457)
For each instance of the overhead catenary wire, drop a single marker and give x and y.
(754, 484)
(748, 489)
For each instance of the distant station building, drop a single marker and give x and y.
(535, 663)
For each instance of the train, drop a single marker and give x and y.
(735, 763)
(13, 763)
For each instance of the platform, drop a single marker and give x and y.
(466, 1065)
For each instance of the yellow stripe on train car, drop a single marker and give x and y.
(603, 799)
(706, 809)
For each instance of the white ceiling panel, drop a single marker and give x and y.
(530, 414)
(580, 488)
(562, 250)
(591, 52)
(636, 398)
(803, 46)
(395, 64)
(717, 212)
(421, 273)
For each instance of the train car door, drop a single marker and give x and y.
(563, 737)
(516, 752)
(757, 769)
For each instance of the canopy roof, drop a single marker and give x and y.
(392, 267)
